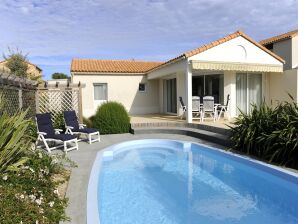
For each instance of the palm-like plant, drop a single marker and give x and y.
(13, 140)
(270, 134)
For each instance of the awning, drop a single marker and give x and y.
(234, 66)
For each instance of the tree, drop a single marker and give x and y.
(17, 63)
(60, 75)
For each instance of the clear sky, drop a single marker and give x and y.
(53, 32)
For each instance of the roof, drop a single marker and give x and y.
(112, 66)
(280, 37)
(38, 68)
(131, 66)
(216, 43)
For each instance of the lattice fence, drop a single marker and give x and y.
(17, 94)
(56, 101)
(21, 94)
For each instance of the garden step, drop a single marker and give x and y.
(219, 130)
(218, 138)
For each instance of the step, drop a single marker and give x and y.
(218, 138)
(219, 130)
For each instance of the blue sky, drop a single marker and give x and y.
(53, 32)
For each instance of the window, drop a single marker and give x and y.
(142, 87)
(100, 91)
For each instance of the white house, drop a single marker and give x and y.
(286, 46)
(235, 65)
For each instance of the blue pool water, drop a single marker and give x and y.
(169, 182)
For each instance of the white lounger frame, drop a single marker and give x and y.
(42, 136)
(81, 126)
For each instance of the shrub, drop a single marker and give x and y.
(270, 134)
(87, 122)
(59, 121)
(32, 194)
(111, 118)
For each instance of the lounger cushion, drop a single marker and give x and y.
(71, 119)
(44, 123)
(62, 137)
(85, 130)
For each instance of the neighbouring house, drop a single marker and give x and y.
(286, 46)
(235, 65)
(34, 71)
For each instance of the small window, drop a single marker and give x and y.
(100, 91)
(142, 87)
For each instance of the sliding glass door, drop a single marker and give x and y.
(248, 91)
(209, 85)
(170, 93)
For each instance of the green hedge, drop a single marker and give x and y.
(111, 118)
(270, 134)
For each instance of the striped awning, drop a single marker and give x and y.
(234, 66)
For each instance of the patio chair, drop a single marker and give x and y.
(209, 108)
(223, 108)
(46, 133)
(196, 107)
(73, 127)
(182, 105)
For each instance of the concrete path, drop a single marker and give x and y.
(84, 157)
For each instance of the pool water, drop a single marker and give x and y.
(168, 182)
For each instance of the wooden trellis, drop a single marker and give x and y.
(22, 94)
(57, 98)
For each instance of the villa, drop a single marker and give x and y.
(235, 65)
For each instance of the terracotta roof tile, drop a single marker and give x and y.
(278, 38)
(130, 66)
(112, 66)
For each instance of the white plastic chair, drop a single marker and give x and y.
(183, 107)
(196, 107)
(209, 108)
(223, 108)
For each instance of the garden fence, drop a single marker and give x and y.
(22, 94)
(57, 98)
(17, 94)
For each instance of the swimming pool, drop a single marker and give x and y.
(171, 182)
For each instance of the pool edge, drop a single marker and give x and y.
(93, 216)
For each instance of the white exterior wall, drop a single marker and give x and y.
(230, 88)
(237, 50)
(123, 89)
(179, 66)
(295, 52)
(282, 84)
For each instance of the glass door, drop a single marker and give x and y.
(171, 95)
(209, 85)
(241, 93)
(254, 90)
(248, 91)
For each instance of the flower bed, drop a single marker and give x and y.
(32, 194)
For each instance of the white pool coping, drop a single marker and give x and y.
(93, 216)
